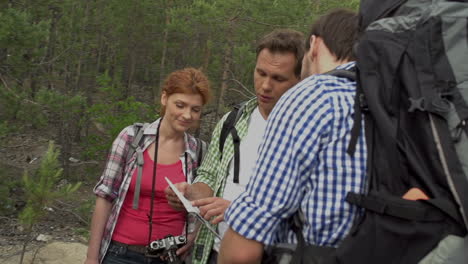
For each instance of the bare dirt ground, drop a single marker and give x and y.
(56, 239)
(61, 236)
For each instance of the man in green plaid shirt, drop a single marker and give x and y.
(278, 68)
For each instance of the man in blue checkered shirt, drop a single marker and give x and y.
(302, 162)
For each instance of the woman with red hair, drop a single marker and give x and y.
(131, 208)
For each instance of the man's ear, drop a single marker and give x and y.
(314, 43)
(164, 98)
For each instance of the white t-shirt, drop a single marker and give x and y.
(248, 156)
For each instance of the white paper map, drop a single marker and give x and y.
(191, 209)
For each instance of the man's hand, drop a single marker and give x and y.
(91, 261)
(172, 198)
(212, 206)
(184, 251)
(238, 249)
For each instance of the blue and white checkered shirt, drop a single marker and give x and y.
(303, 163)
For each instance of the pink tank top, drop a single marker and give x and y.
(132, 226)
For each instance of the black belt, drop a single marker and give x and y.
(135, 248)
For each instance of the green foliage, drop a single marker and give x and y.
(58, 108)
(40, 189)
(21, 38)
(7, 203)
(16, 107)
(32, 114)
(114, 114)
(50, 105)
(10, 189)
(9, 103)
(244, 63)
(86, 208)
(16, 29)
(7, 190)
(5, 129)
(82, 231)
(86, 57)
(94, 147)
(60, 103)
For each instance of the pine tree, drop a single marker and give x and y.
(41, 191)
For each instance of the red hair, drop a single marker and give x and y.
(187, 81)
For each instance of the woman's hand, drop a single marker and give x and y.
(212, 207)
(172, 198)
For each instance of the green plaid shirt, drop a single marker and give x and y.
(214, 173)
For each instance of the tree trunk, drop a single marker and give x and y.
(3, 58)
(33, 84)
(130, 58)
(226, 68)
(51, 45)
(162, 66)
(26, 242)
(83, 44)
(206, 55)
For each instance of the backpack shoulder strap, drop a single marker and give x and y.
(349, 74)
(229, 128)
(229, 124)
(202, 146)
(139, 130)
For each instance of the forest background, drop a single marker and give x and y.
(77, 72)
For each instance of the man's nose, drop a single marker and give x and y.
(267, 84)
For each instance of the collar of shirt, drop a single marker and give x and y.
(346, 66)
(150, 136)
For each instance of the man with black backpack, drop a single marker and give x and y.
(232, 153)
(302, 164)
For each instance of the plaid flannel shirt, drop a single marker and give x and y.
(116, 178)
(214, 173)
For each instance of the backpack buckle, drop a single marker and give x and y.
(416, 104)
(363, 102)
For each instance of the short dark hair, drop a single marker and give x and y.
(284, 40)
(339, 30)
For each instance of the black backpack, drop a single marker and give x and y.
(412, 89)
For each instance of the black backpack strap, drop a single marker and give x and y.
(296, 222)
(300, 253)
(359, 104)
(229, 128)
(201, 150)
(349, 74)
(236, 140)
(397, 207)
(229, 124)
(305, 253)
